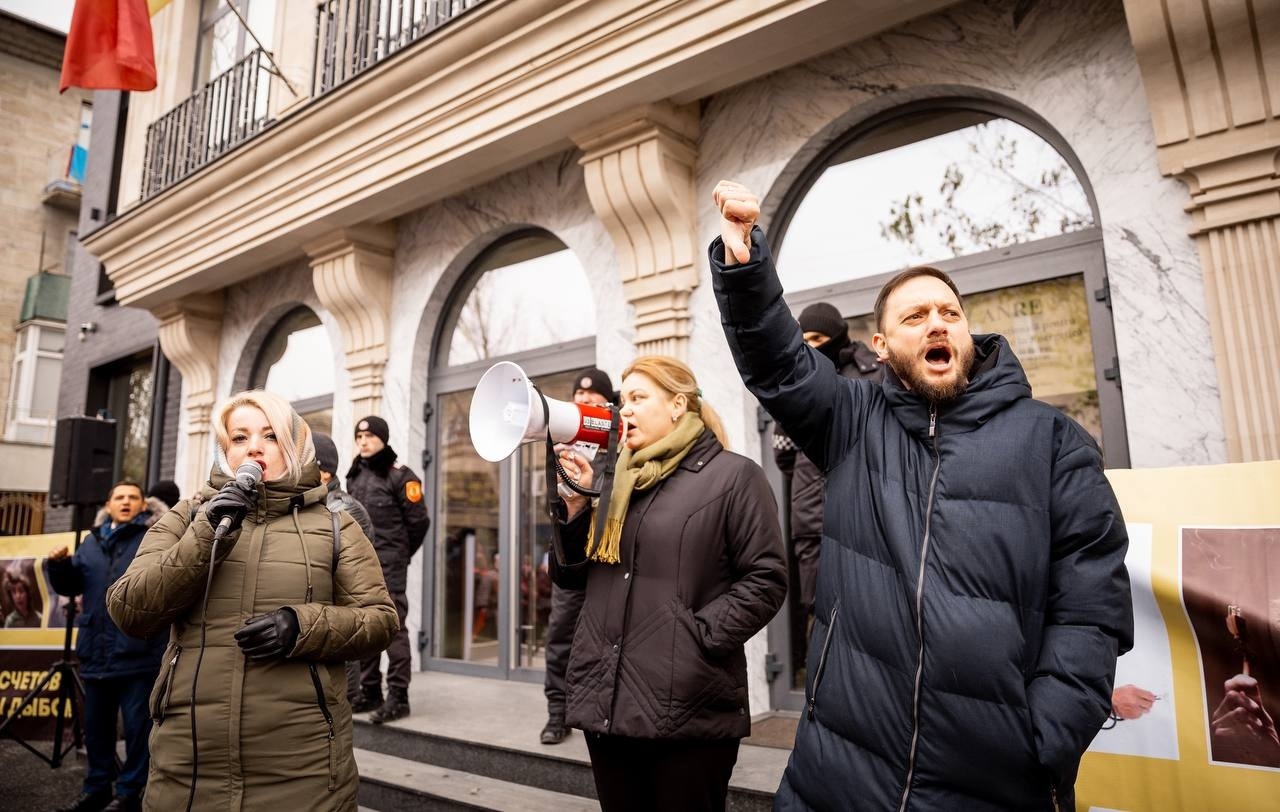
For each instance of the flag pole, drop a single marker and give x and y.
(274, 70)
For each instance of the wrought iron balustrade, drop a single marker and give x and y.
(354, 35)
(225, 113)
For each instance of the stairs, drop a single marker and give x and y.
(472, 743)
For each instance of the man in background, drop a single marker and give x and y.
(593, 387)
(338, 500)
(826, 331)
(393, 496)
(118, 670)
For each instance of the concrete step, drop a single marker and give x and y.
(391, 784)
(489, 727)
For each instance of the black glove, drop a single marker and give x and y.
(269, 637)
(231, 501)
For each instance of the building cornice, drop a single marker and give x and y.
(505, 85)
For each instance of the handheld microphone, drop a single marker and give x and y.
(248, 477)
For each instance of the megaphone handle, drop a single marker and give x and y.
(556, 508)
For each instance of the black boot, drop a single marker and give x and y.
(90, 802)
(396, 707)
(555, 730)
(368, 701)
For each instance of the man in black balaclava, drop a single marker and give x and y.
(826, 331)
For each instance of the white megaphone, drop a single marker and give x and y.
(507, 411)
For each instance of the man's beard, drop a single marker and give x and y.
(931, 389)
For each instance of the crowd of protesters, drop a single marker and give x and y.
(273, 588)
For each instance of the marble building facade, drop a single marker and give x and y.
(624, 183)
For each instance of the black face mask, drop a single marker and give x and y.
(834, 346)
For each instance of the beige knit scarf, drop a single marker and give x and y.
(640, 471)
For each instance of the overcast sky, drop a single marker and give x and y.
(55, 14)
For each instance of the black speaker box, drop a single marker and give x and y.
(84, 455)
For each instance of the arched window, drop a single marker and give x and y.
(996, 205)
(526, 299)
(994, 199)
(296, 362)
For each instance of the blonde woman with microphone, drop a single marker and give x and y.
(268, 594)
(681, 568)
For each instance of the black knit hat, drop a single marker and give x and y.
(166, 490)
(374, 425)
(821, 317)
(326, 453)
(594, 380)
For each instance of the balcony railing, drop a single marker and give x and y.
(353, 35)
(224, 114)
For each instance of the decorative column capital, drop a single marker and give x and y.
(1209, 70)
(351, 272)
(639, 170)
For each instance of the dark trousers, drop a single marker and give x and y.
(399, 661)
(565, 606)
(103, 699)
(674, 775)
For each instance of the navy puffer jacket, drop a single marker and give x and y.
(972, 596)
(102, 649)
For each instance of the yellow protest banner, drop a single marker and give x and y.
(1197, 698)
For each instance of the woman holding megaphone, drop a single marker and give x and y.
(684, 567)
(269, 595)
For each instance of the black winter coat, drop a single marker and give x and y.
(658, 649)
(856, 362)
(393, 496)
(102, 649)
(972, 596)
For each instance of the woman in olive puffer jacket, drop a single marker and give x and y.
(295, 592)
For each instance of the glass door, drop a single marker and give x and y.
(529, 569)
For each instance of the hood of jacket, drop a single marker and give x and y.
(995, 382)
(275, 497)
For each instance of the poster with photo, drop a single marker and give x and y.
(31, 636)
(1203, 539)
(1231, 594)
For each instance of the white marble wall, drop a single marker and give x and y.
(1072, 64)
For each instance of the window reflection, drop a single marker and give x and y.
(532, 292)
(964, 183)
(296, 362)
(467, 559)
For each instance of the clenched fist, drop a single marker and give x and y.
(739, 210)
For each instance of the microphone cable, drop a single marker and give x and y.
(219, 533)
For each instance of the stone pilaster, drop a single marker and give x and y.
(639, 172)
(190, 332)
(351, 271)
(1209, 72)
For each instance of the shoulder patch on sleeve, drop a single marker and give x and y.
(413, 490)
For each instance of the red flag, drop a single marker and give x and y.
(109, 47)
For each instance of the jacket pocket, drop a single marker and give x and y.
(163, 689)
(821, 668)
(328, 720)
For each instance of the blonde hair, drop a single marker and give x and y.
(677, 379)
(293, 435)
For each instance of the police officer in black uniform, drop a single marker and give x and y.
(395, 500)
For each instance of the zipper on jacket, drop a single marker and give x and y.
(1053, 796)
(328, 720)
(822, 660)
(157, 714)
(924, 557)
